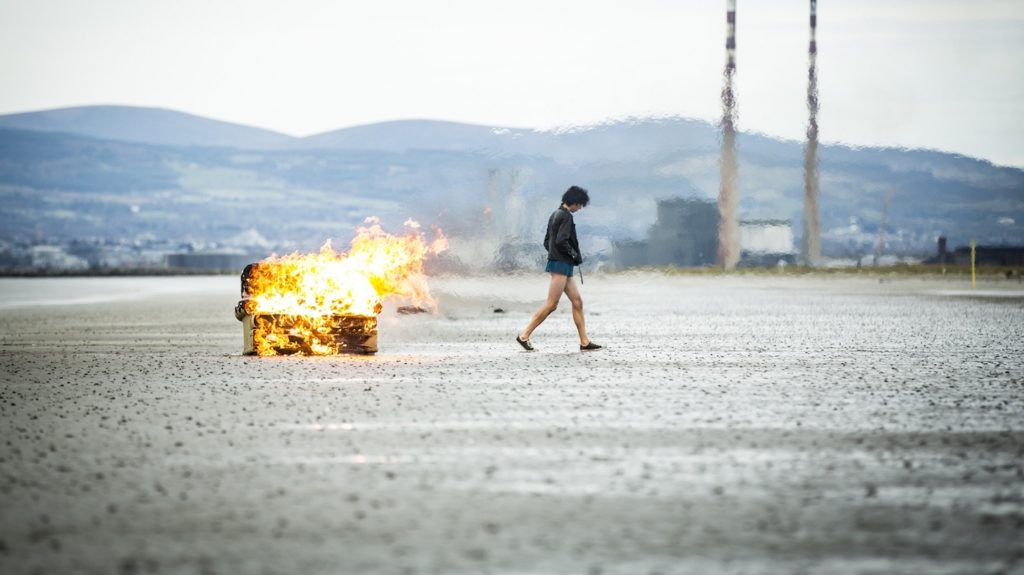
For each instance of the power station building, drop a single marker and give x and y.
(765, 243)
(686, 234)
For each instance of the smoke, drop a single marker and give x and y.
(728, 229)
(810, 249)
(502, 232)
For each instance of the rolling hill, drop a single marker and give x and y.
(114, 172)
(146, 126)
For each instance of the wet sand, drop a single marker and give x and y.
(733, 425)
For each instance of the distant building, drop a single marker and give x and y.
(686, 235)
(629, 253)
(55, 258)
(1007, 256)
(210, 261)
(765, 243)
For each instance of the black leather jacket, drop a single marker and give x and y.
(560, 239)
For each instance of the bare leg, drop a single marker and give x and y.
(555, 290)
(573, 291)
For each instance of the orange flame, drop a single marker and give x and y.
(311, 290)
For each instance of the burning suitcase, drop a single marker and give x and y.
(266, 333)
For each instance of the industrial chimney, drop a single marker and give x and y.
(728, 202)
(810, 249)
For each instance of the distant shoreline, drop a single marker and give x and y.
(113, 272)
(921, 271)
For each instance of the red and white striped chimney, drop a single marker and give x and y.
(810, 248)
(728, 200)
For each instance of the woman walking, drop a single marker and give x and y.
(563, 255)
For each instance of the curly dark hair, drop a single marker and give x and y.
(576, 195)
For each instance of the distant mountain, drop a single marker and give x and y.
(630, 138)
(623, 139)
(62, 186)
(146, 126)
(403, 135)
(80, 181)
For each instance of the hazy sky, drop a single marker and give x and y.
(940, 74)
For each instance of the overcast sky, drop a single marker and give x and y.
(939, 74)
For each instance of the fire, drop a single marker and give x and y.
(308, 303)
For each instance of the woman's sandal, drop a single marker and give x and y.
(591, 346)
(525, 343)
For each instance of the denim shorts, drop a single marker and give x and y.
(555, 266)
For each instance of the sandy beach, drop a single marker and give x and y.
(733, 424)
